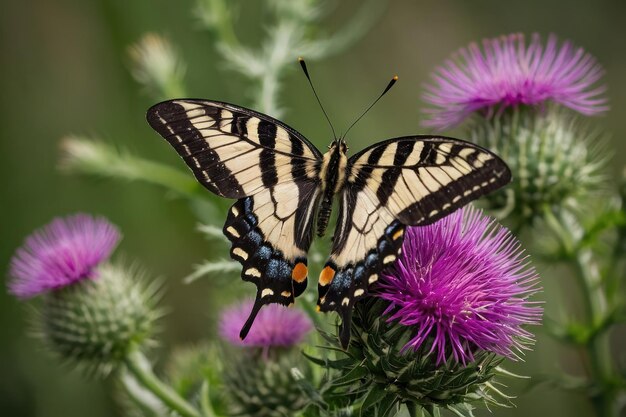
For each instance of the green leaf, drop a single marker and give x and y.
(386, 406)
(601, 223)
(462, 409)
(373, 396)
(354, 375)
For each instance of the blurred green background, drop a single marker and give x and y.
(64, 70)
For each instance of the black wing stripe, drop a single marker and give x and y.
(266, 133)
(391, 175)
(238, 125)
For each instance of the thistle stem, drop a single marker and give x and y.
(596, 305)
(137, 365)
(596, 347)
(205, 401)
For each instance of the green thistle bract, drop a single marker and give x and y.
(555, 160)
(94, 324)
(262, 385)
(379, 375)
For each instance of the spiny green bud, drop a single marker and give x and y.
(555, 160)
(263, 385)
(95, 323)
(378, 373)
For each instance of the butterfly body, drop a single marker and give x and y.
(332, 178)
(284, 186)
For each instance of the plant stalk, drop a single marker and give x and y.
(596, 344)
(137, 365)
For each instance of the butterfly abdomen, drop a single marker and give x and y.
(324, 216)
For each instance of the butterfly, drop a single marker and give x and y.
(284, 188)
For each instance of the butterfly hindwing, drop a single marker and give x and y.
(272, 242)
(271, 169)
(405, 181)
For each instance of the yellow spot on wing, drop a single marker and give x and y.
(389, 259)
(241, 253)
(253, 272)
(398, 234)
(232, 231)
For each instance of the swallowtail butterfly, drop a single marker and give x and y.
(284, 186)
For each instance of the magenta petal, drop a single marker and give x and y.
(275, 325)
(61, 253)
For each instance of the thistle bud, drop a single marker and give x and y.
(258, 375)
(96, 323)
(556, 161)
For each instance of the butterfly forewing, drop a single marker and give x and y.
(234, 152)
(272, 170)
(405, 181)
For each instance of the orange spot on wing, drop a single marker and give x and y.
(299, 272)
(398, 234)
(326, 276)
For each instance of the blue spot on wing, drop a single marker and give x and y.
(264, 252)
(341, 281)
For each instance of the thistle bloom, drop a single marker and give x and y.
(274, 326)
(61, 253)
(508, 73)
(463, 284)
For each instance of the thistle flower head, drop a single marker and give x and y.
(507, 72)
(274, 326)
(462, 285)
(61, 253)
(96, 323)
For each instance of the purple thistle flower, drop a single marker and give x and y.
(463, 284)
(508, 73)
(275, 325)
(61, 253)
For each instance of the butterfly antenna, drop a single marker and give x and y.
(308, 77)
(391, 83)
